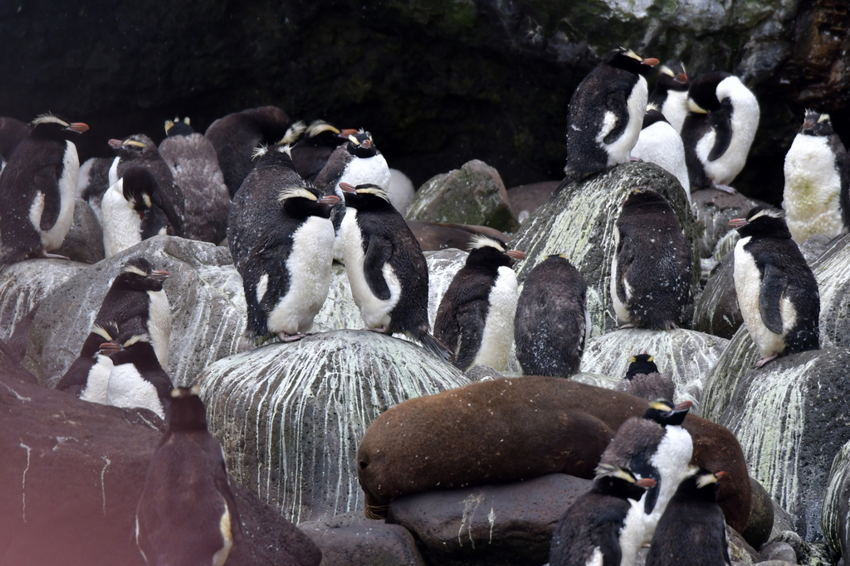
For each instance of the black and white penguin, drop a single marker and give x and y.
(552, 321)
(236, 135)
(85, 367)
(605, 115)
(132, 211)
(312, 151)
(194, 164)
(281, 239)
(475, 318)
(137, 379)
(645, 381)
(37, 189)
(187, 514)
(590, 531)
(670, 95)
(777, 291)
(720, 127)
(693, 530)
(386, 269)
(140, 151)
(652, 263)
(653, 446)
(813, 164)
(93, 181)
(661, 144)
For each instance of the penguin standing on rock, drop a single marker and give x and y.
(813, 164)
(132, 211)
(194, 164)
(187, 514)
(659, 143)
(591, 529)
(645, 381)
(652, 262)
(606, 114)
(777, 291)
(670, 95)
(719, 130)
(476, 315)
(552, 321)
(281, 239)
(37, 189)
(693, 530)
(386, 269)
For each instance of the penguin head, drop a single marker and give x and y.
(306, 200)
(320, 133)
(361, 145)
(187, 410)
(669, 79)
(293, 133)
(653, 115)
(666, 413)
(762, 221)
(644, 197)
(365, 197)
(620, 482)
(816, 124)
(141, 189)
(48, 126)
(702, 94)
(700, 483)
(178, 128)
(628, 60)
(488, 252)
(134, 147)
(641, 363)
(139, 274)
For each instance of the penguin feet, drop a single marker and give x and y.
(635, 159)
(627, 326)
(48, 255)
(766, 359)
(726, 189)
(284, 337)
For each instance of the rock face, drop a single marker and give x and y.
(579, 223)
(835, 520)
(497, 525)
(84, 241)
(714, 209)
(473, 194)
(290, 415)
(717, 310)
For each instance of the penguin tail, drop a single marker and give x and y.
(433, 345)
(569, 178)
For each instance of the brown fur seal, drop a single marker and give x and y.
(513, 429)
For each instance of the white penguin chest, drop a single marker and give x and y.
(744, 123)
(159, 325)
(498, 332)
(671, 460)
(53, 237)
(120, 222)
(620, 149)
(309, 266)
(369, 170)
(812, 189)
(620, 308)
(662, 145)
(675, 108)
(128, 389)
(97, 382)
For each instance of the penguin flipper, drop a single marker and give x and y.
(46, 182)
(471, 317)
(378, 252)
(773, 286)
(608, 543)
(222, 484)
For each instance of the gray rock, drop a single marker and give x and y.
(739, 549)
(350, 539)
(509, 524)
(760, 524)
(835, 520)
(579, 222)
(526, 199)
(204, 291)
(714, 209)
(685, 354)
(832, 271)
(84, 241)
(781, 552)
(473, 194)
(782, 521)
(597, 379)
(815, 246)
(290, 415)
(717, 310)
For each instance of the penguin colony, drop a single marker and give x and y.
(292, 199)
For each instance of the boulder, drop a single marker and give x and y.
(717, 310)
(760, 524)
(685, 354)
(290, 415)
(84, 241)
(433, 236)
(832, 271)
(526, 199)
(204, 291)
(473, 194)
(714, 209)
(493, 525)
(781, 552)
(835, 519)
(579, 223)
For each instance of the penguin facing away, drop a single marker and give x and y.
(812, 195)
(693, 530)
(661, 144)
(670, 95)
(187, 514)
(386, 269)
(281, 239)
(552, 321)
(652, 263)
(645, 381)
(605, 115)
(475, 318)
(777, 291)
(590, 530)
(132, 211)
(37, 188)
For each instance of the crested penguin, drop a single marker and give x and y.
(720, 127)
(670, 95)
(653, 446)
(312, 151)
(236, 135)
(37, 189)
(590, 531)
(693, 530)
(137, 380)
(194, 164)
(131, 211)
(77, 376)
(475, 318)
(777, 291)
(659, 143)
(281, 239)
(652, 263)
(386, 269)
(645, 381)
(552, 322)
(813, 164)
(140, 151)
(92, 386)
(187, 513)
(606, 114)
